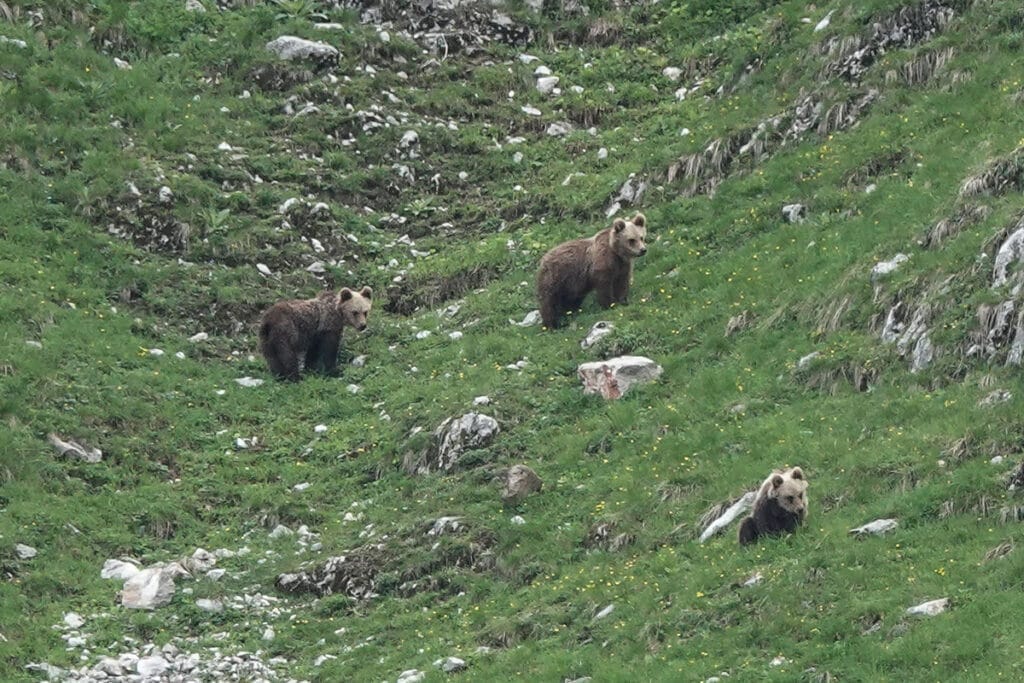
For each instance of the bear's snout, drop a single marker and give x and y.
(361, 327)
(643, 250)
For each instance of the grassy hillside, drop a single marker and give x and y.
(144, 203)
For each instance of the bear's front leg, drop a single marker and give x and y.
(621, 288)
(605, 293)
(329, 343)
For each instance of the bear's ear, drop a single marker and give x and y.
(619, 225)
(796, 473)
(777, 481)
(639, 220)
(366, 293)
(345, 294)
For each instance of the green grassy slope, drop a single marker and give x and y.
(99, 271)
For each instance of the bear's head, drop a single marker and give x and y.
(789, 490)
(629, 237)
(355, 306)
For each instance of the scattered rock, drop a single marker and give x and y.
(24, 552)
(807, 360)
(280, 531)
(151, 666)
(450, 440)
(794, 213)
(248, 381)
(883, 268)
(559, 128)
(208, 605)
(997, 396)
(411, 676)
(13, 41)
(930, 608)
(450, 664)
(353, 574)
(482, 401)
(546, 84)
(194, 6)
(520, 482)
(73, 620)
(518, 520)
(292, 48)
(532, 318)
(151, 587)
(600, 330)
(740, 507)
(614, 377)
(118, 569)
(359, 361)
(877, 527)
(73, 449)
(753, 580)
(200, 561)
(604, 612)
(319, 429)
(165, 195)
(672, 73)
(530, 111)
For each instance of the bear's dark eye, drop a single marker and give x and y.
(789, 498)
(632, 241)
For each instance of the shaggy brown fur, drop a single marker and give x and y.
(603, 262)
(310, 330)
(779, 507)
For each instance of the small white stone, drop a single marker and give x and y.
(198, 337)
(268, 634)
(208, 605)
(353, 388)
(320, 429)
(180, 355)
(151, 666)
(602, 153)
(604, 612)
(930, 608)
(530, 111)
(216, 574)
(249, 381)
(121, 64)
(423, 334)
(262, 267)
(455, 335)
(225, 147)
(482, 400)
(518, 520)
(25, 552)
(281, 530)
(299, 488)
(34, 344)
(156, 352)
(672, 73)
(73, 620)
(997, 460)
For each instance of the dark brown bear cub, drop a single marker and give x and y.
(603, 263)
(780, 506)
(310, 330)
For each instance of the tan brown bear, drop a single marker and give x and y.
(780, 506)
(603, 262)
(310, 329)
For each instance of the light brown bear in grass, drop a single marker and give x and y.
(603, 262)
(780, 506)
(310, 330)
